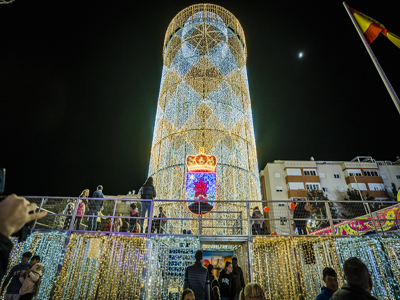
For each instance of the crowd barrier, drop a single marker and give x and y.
(233, 218)
(286, 253)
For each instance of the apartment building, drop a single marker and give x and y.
(290, 180)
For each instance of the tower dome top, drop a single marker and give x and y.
(210, 11)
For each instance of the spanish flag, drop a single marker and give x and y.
(371, 28)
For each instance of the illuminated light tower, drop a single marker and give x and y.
(204, 103)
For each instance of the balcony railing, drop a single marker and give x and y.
(113, 216)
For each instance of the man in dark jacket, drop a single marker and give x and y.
(196, 278)
(94, 208)
(14, 286)
(359, 282)
(330, 278)
(239, 273)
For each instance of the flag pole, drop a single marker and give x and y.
(385, 80)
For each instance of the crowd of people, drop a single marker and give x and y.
(95, 207)
(201, 284)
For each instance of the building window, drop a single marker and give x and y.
(361, 186)
(376, 186)
(277, 175)
(398, 176)
(336, 175)
(356, 173)
(296, 186)
(325, 189)
(310, 172)
(370, 173)
(281, 204)
(291, 172)
(279, 189)
(283, 220)
(340, 188)
(312, 186)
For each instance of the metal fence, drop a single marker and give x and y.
(228, 218)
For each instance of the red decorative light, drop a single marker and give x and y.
(267, 209)
(292, 206)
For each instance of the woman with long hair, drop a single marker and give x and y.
(252, 291)
(147, 191)
(227, 282)
(81, 207)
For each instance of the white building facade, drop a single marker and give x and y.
(290, 180)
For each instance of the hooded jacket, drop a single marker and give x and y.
(29, 280)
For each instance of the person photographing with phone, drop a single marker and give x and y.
(15, 212)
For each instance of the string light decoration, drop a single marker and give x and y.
(204, 102)
(167, 264)
(313, 255)
(99, 267)
(14, 259)
(274, 268)
(392, 247)
(369, 250)
(48, 245)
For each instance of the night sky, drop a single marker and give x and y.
(79, 82)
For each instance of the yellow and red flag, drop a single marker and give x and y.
(371, 28)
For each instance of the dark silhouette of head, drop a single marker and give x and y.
(357, 274)
(199, 255)
(149, 181)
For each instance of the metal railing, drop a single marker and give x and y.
(227, 218)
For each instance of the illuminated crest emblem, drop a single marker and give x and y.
(201, 183)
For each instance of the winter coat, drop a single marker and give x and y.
(29, 280)
(240, 279)
(117, 224)
(147, 192)
(13, 275)
(257, 215)
(348, 292)
(196, 279)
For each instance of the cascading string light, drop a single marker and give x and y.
(169, 258)
(204, 101)
(48, 245)
(370, 251)
(99, 267)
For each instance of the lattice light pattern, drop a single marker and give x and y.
(204, 102)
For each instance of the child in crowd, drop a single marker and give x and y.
(134, 214)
